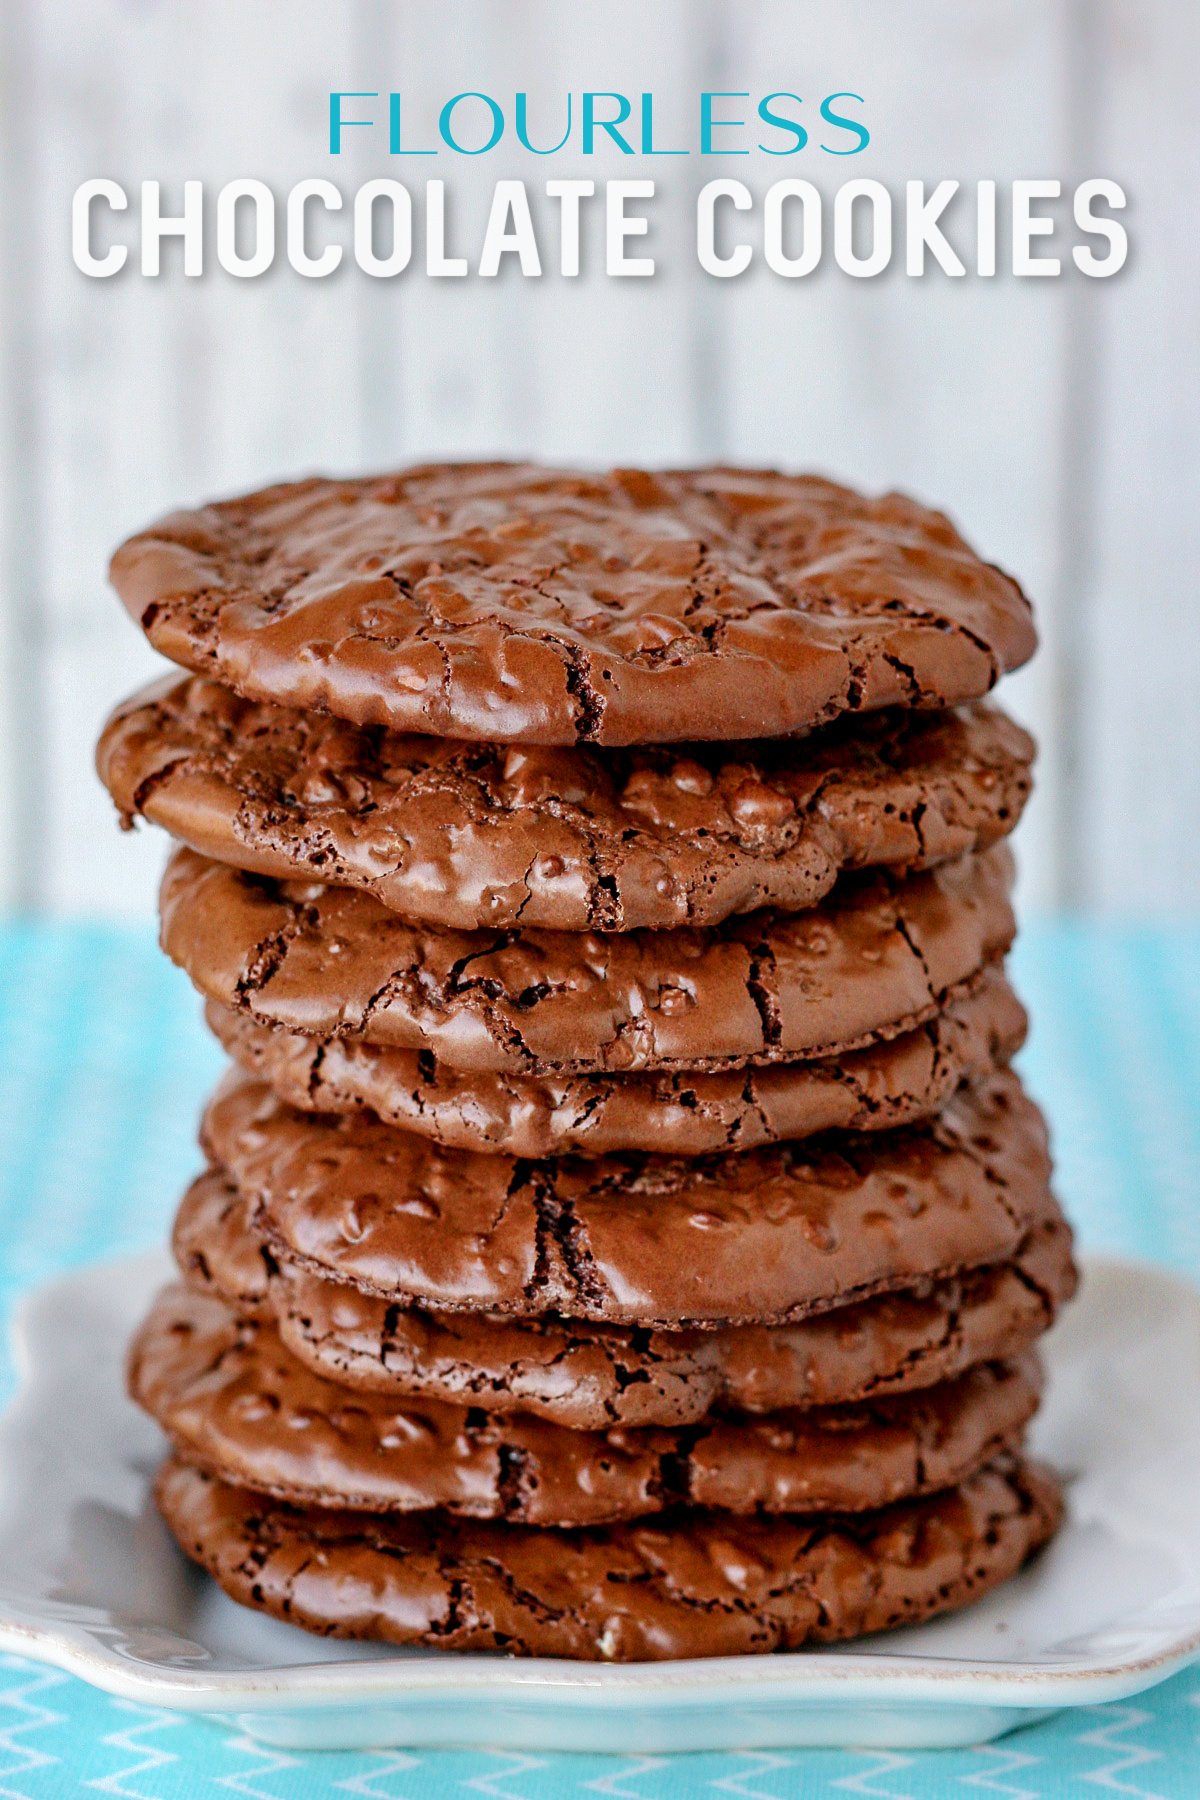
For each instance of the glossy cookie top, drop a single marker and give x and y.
(878, 957)
(679, 1112)
(589, 1376)
(756, 1237)
(517, 604)
(233, 1398)
(573, 838)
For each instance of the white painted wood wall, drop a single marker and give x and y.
(1058, 420)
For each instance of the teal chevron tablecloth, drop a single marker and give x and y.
(104, 1070)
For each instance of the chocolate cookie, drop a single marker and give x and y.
(589, 1376)
(886, 1085)
(877, 958)
(757, 1237)
(232, 1399)
(217, 1248)
(510, 603)
(573, 839)
(687, 1585)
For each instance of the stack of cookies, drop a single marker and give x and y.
(623, 1235)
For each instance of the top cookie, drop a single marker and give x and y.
(509, 603)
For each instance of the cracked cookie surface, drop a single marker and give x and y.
(510, 603)
(590, 1376)
(234, 1400)
(686, 1585)
(885, 1085)
(754, 1237)
(878, 957)
(572, 839)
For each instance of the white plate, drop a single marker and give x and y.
(90, 1580)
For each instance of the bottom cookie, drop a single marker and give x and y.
(688, 1586)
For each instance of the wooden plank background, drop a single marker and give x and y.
(1058, 420)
